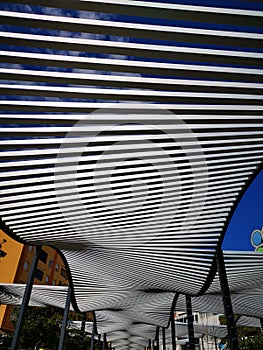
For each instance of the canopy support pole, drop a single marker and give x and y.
(65, 321)
(190, 322)
(231, 326)
(149, 344)
(202, 342)
(173, 335)
(82, 331)
(104, 343)
(25, 301)
(156, 340)
(100, 342)
(215, 342)
(163, 338)
(93, 336)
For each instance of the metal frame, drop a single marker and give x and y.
(231, 326)
(92, 341)
(149, 344)
(65, 320)
(82, 331)
(163, 338)
(25, 302)
(190, 323)
(104, 342)
(156, 340)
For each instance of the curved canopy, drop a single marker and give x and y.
(129, 131)
(137, 320)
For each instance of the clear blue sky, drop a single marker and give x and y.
(247, 217)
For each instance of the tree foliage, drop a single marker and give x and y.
(42, 326)
(249, 338)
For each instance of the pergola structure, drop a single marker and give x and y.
(245, 301)
(129, 132)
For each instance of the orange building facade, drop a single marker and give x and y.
(15, 267)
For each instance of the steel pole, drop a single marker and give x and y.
(202, 342)
(231, 326)
(82, 331)
(25, 301)
(215, 342)
(149, 344)
(100, 342)
(65, 321)
(190, 322)
(93, 336)
(173, 333)
(163, 337)
(104, 344)
(156, 341)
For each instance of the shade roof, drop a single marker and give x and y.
(129, 132)
(137, 319)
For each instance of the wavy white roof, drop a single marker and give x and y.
(129, 132)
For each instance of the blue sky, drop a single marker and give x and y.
(247, 217)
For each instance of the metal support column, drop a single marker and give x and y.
(215, 342)
(82, 331)
(231, 327)
(104, 342)
(261, 323)
(25, 301)
(202, 342)
(93, 336)
(173, 334)
(100, 342)
(163, 338)
(149, 344)
(156, 340)
(190, 322)
(65, 321)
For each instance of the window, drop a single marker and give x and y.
(46, 278)
(50, 263)
(183, 319)
(30, 248)
(26, 265)
(63, 272)
(39, 274)
(57, 267)
(53, 283)
(43, 256)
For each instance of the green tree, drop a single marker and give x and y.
(249, 338)
(41, 325)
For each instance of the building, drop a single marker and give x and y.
(15, 267)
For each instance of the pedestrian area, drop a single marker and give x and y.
(130, 131)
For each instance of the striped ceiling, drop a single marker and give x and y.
(136, 320)
(129, 131)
